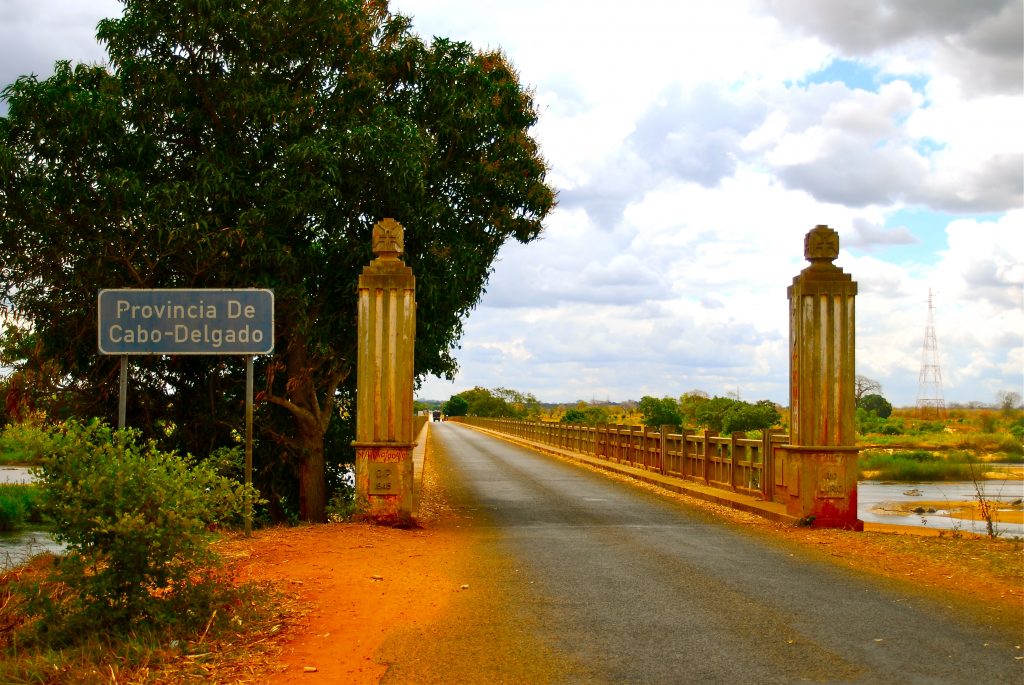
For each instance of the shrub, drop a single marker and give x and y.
(12, 512)
(1016, 429)
(135, 521)
(585, 415)
(23, 443)
(19, 504)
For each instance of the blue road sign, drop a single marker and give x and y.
(197, 321)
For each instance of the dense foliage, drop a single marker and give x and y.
(586, 415)
(254, 145)
(659, 412)
(727, 415)
(456, 406)
(135, 521)
(499, 403)
(19, 504)
(875, 404)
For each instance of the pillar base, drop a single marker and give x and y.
(823, 485)
(384, 483)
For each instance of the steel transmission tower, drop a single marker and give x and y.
(930, 403)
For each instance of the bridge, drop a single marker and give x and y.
(626, 585)
(811, 473)
(615, 583)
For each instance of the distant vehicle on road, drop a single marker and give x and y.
(437, 415)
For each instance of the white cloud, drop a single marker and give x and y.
(691, 156)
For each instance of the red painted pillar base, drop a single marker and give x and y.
(385, 473)
(823, 486)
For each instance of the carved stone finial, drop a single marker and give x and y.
(388, 239)
(821, 244)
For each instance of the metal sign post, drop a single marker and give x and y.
(189, 321)
(122, 396)
(248, 444)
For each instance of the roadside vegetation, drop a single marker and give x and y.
(138, 587)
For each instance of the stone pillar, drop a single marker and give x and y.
(384, 415)
(821, 459)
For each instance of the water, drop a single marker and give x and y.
(873, 497)
(15, 474)
(19, 546)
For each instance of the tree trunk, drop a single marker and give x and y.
(311, 421)
(312, 475)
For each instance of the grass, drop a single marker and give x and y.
(1003, 444)
(226, 646)
(914, 465)
(18, 505)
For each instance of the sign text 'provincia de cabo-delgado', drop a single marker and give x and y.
(186, 321)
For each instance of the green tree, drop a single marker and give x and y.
(456, 406)
(689, 403)
(660, 412)
(744, 416)
(728, 415)
(711, 414)
(875, 404)
(254, 145)
(587, 415)
(523, 406)
(500, 403)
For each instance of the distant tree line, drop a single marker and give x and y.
(497, 403)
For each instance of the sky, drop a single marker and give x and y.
(693, 145)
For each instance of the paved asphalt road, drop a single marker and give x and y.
(645, 590)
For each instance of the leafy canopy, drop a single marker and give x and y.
(660, 412)
(254, 144)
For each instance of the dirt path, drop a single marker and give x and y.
(375, 605)
(379, 605)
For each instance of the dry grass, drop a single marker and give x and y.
(240, 649)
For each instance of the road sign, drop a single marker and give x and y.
(186, 321)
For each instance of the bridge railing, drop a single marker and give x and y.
(730, 462)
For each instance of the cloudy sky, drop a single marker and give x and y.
(693, 144)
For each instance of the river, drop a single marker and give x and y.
(879, 502)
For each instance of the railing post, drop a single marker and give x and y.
(665, 429)
(732, 459)
(684, 469)
(707, 453)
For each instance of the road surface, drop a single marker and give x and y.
(641, 589)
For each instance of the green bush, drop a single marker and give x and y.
(1017, 429)
(585, 416)
(135, 521)
(19, 504)
(23, 443)
(12, 512)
